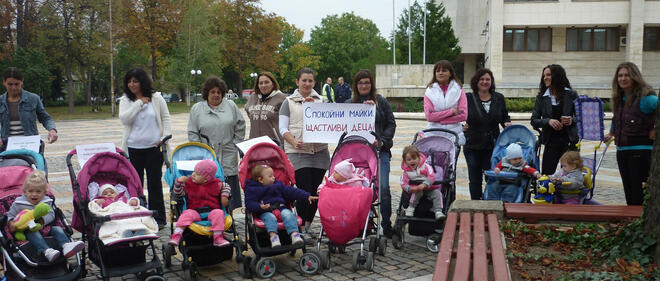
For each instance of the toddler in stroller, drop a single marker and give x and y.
(34, 191)
(266, 198)
(202, 190)
(506, 189)
(417, 180)
(344, 173)
(570, 178)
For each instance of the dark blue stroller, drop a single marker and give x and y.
(527, 140)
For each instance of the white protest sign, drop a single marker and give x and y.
(28, 142)
(187, 165)
(86, 151)
(325, 122)
(244, 146)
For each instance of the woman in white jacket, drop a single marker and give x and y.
(445, 104)
(146, 121)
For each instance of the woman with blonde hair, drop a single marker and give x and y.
(633, 127)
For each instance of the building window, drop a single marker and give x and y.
(651, 38)
(592, 39)
(527, 39)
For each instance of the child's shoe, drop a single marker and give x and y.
(72, 248)
(275, 241)
(51, 254)
(439, 215)
(220, 241)
(296, 239)
(410, 211)
(175, 238)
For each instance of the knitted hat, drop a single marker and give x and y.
(345, 168)
(206, 168)
(106, 186)
(513, 151)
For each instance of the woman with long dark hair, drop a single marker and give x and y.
(445, 105)
(146, 121)
(633, 127)
(486, 112)
(554, 115)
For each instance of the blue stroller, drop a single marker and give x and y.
(527, 140)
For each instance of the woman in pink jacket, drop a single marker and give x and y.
(445, 104)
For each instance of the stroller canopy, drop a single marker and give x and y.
(363, 155)
(191, 151)
(515, 134)
(267, 154)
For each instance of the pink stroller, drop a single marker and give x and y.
(126, 255)
(349, 212)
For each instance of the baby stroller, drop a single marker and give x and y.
(264, 266)
(197, 244)
(349, 212)
(122, 256)
(22, 260)
(442, 154)
(525, 138)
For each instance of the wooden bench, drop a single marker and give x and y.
(472, 256)
(531, 213)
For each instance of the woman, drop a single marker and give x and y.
(18, 109)
(554, 115)
(365, 91)
(486, 112)
(445, 105)
(221, 121)
(263, 107)
(146, 121)
(310, 160)
(634, 104)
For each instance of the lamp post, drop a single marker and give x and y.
(253, 75)
(193, 73)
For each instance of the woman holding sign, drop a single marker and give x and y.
(310, 160)
(365, 91)
(146, 121)
(445, 104)
(221, 121)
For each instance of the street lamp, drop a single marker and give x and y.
(253, 75)
(193, 73)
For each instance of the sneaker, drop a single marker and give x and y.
(308, 236)
(175, 238)
(410, 211)
(220, 241)
(72, 248)
(439, 215)
(51, 254)
(296, 239)
(275, 241)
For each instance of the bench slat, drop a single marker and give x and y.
(572, 212)
(500, 272)
(443, 261)
(480, 266)
(462, 269)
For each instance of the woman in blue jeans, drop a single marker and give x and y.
(364, 89)
(486, 112)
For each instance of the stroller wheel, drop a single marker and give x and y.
(325, 259)
(358, 260)
(382, 247)
(369, 263)
(244, 267)
(265, 268)
(397, 241)
(155, 278)
(191, 272)
(432, 242)
(168, 252)
(332, 249)
(310, 262)
(373, 244)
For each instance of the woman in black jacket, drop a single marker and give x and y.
(364, 91)
(486, 112)
(554, 115)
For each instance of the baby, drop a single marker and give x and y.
(266, 198)
(570, 172)
(202, 189)
(415, 169)
(344, 173)
(507, 189)
(34, 192)
(109, 195)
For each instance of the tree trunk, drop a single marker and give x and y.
(88, 87)
(20, 25)
(69, 84)
(153, 63)
(652, 209)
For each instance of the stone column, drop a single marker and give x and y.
(635, 33)
(469, 67)
(495, 38)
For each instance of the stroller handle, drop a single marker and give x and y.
(504, 175)
(163, 149)
(454, 134)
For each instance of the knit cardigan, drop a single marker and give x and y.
(128, 111)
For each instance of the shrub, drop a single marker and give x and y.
(413, 105)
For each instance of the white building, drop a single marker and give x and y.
(589, 38)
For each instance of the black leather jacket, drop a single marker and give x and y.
(542, 113)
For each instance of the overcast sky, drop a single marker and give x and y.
(306, 14)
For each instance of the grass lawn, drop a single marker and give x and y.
(85, 111)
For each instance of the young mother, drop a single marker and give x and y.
(445, 105)
(263, 107)
(310, 160)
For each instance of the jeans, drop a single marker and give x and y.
(235, 200)
(151, 160)
(288, 218)
(385, 196)
(478, 161)
(503, 192)
(40, 243)
(634, 167)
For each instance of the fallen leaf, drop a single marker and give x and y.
(546, 261)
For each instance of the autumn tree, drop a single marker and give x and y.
(34, 66)
(6, 32)
(347, 43)
(441, 42)
(293, 55)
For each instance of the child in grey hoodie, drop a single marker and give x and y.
(570, 178)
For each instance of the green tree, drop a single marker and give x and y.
(34, 66)
(346, 43)
(293, 55)
(441, 43)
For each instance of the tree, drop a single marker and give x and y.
(6, 34)
(346, 43)
(34, 66)
(441, 42)
(651, 209)
(293, 55)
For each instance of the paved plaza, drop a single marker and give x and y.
(414, 260)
